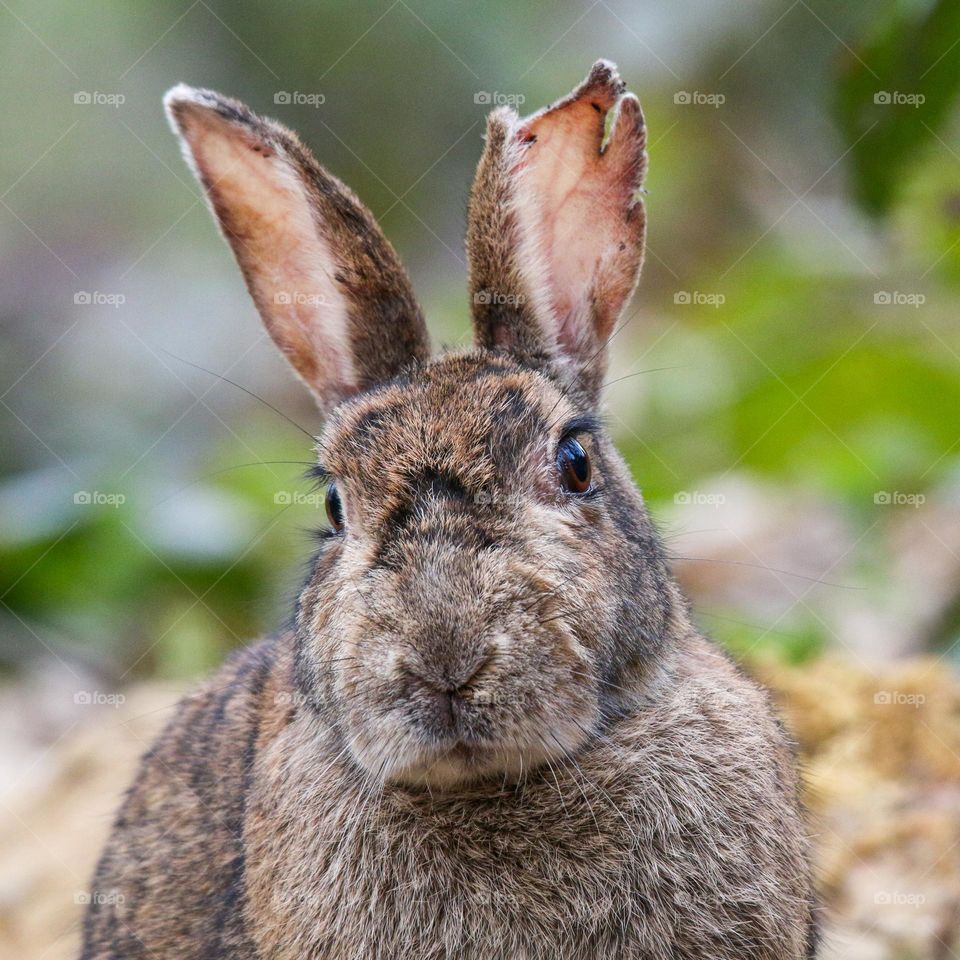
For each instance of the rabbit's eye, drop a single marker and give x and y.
(334, 508)
(574, 466)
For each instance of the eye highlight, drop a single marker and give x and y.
(334, 508)
(574, 466)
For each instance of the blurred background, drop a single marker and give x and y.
(787, 391)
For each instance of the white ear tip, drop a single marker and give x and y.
(629, 103)
(181, 94)
(174, 100)
(182, 97)
(179, 91)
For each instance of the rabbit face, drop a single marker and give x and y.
(466, 620)
(496, 586)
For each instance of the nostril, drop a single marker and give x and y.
(445, 700)
(449, 682)
(441, 697)
(445, 689)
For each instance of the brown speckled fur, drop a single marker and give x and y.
(491, 730)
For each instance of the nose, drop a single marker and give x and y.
(445, 690)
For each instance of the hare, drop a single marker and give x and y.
(491, 730)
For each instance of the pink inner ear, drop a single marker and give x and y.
(266, 216)
(577, 201)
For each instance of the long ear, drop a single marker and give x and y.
(327, 283)
(556, 226)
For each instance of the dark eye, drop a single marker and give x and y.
(334, 508)
(574, 466)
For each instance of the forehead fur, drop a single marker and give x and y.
(466, 418)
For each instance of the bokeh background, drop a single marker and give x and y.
(787, 390)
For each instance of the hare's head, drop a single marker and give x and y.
(490, 590)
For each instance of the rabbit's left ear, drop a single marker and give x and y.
(556, 227)
(328, 285)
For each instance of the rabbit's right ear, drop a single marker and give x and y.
(326, 281)
(556, 227)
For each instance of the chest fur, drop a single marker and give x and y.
(579, 861)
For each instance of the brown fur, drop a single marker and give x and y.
(491, 730)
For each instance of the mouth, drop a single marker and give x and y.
(457, 762)
(448, 763)
(500, 738)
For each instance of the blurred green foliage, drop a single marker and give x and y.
(896, 94)
(823, 228)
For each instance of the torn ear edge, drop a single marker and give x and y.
(557, 224)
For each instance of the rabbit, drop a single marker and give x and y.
(491, 729)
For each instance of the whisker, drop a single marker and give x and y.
(236, 466)
(603, 346)
(248, 392)
(565, 758)
(597, 786)
(604, 683)
(551, 592)
(763, 566)
(676, 366)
